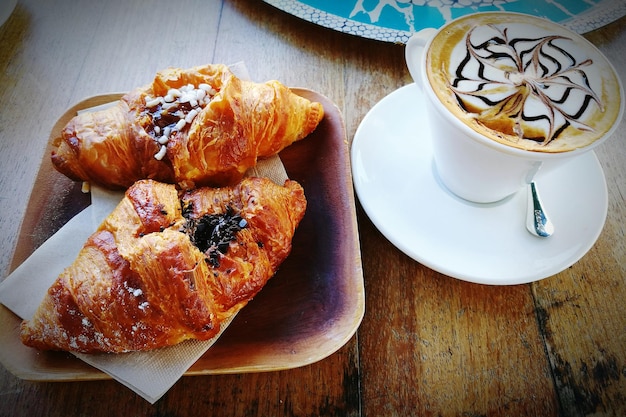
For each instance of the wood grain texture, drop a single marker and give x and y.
(323, 389)
(581, 311)
(429, 345)
(433, 345)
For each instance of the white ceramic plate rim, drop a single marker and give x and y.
(396, 184)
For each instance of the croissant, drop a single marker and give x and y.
(166, 266)
(195, 127)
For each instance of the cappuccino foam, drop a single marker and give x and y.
(524, 82)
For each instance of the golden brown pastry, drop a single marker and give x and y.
(195, 127)
(166, 266)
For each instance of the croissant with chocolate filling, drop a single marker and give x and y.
(166, 266)
(195, 127)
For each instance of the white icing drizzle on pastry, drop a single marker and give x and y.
(176, 111)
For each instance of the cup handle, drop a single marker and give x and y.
(414, 51)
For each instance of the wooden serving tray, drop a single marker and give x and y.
(309, 310)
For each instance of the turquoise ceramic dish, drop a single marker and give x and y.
(396, 20)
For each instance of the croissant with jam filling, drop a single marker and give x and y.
(194, 127)
(167, 266)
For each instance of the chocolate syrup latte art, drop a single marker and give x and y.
(523, 83)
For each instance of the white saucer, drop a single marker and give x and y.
(397, 186)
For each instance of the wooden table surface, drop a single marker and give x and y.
(429, 345)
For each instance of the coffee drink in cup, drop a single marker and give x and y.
(524, 82)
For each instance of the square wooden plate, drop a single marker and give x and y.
(309, 310)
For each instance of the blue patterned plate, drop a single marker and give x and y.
(396, 20)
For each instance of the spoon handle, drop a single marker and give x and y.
(537, 221)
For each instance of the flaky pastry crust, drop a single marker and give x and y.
(236, 123)
(166, 266)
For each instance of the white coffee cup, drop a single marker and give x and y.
(486, 96)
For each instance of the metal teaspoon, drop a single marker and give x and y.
(537, 221)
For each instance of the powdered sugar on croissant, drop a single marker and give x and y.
(195, 127)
